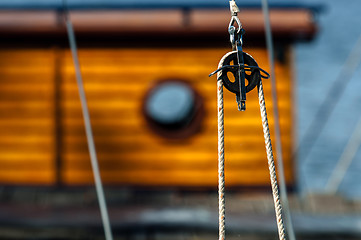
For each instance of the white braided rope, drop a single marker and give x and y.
(221, 197)
(271, 163)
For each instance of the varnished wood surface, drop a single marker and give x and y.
(129, 153)
(290, 24)
(26, 116)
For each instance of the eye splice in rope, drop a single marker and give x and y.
(244, 68)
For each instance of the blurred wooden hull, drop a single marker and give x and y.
(123, 54)
(42, 138)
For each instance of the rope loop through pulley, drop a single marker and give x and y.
(243, 67)
(253, 73)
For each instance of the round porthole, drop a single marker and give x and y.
(173, 109)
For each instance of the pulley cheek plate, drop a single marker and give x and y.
(253, 78)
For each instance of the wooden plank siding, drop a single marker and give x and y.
(27, 116)
(116, 81)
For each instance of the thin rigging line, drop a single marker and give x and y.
(328, 105)
(281, 175)
(345, 160)
(88, 129)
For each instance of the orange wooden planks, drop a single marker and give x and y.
(129, 152)
(27, 116)
(116, 83)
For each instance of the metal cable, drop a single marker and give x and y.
(221, 181)
(89, 133)
(345, 160)
(277, 129)
(327, 106)
(271, 164)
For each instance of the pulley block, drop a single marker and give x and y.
(229, 63)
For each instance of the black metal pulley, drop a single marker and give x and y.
(229, 63)
(241, 65)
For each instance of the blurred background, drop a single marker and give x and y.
(145, 67)
(321, 65)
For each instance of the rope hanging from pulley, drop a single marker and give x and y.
(244, 67)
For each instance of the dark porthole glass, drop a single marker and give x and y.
(173, 109)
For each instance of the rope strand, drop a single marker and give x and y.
(271, 163)
(277, 129)
(270, 158)
(221, 182)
